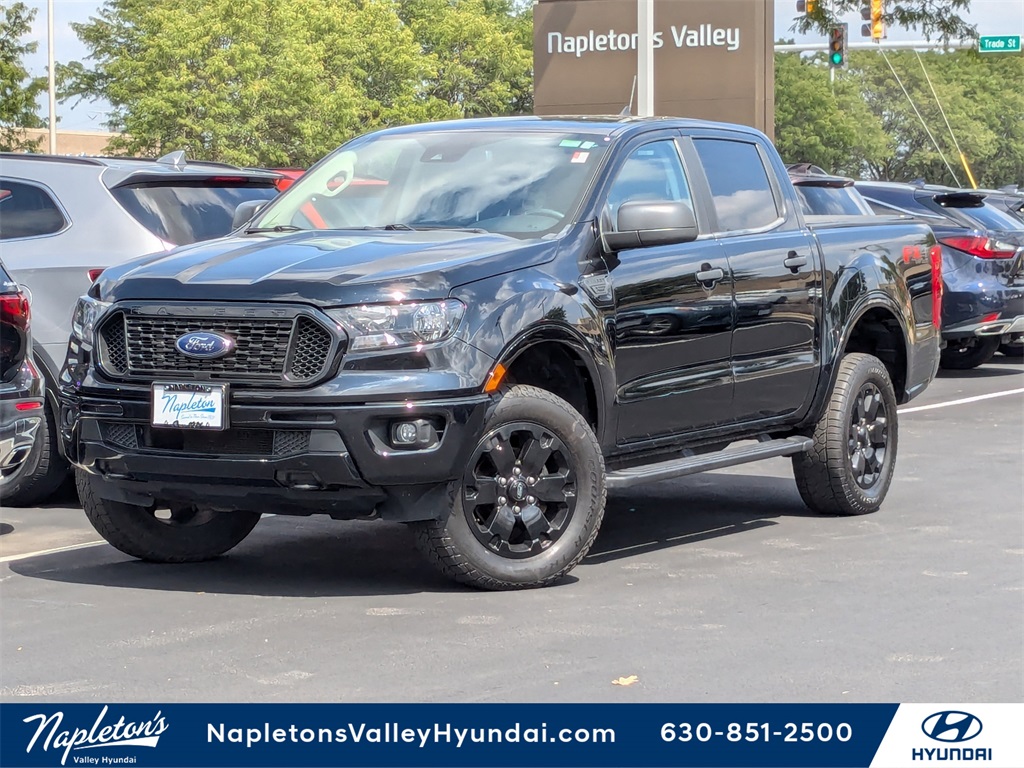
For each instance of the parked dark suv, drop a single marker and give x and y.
(982, 266)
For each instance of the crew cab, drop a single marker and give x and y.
(481, 327)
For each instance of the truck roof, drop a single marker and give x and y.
(610, 125)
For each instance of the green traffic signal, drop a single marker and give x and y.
(837, 58)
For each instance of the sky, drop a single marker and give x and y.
(993, 17)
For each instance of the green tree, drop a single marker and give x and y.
(480, 62)
(979, 98)
(275, 82)
(18, 91)
(828, 125)
(865, 125)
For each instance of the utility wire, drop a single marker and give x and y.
(923, 123)
(963, 157)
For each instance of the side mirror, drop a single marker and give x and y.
(642, 223)
(245, 211)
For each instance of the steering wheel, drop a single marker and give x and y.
(551, 213)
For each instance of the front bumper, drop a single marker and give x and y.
(287, 459)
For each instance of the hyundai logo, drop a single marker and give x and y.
(204, 345)
(951, 726)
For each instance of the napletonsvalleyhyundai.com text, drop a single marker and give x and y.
(394, 733)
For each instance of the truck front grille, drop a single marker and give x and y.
(293, 350)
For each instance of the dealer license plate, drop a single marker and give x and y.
(189, 406)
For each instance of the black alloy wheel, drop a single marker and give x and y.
(869, 436)
(529, 503)
(519, 493)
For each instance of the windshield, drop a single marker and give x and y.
(518, 183)
(832, 201)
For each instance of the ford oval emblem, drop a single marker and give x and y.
(204, 345)
(951, 726)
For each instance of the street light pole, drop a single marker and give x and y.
(645, 57)
(52, 86)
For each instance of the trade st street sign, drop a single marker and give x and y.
(999, 44)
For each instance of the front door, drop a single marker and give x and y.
(673, 312)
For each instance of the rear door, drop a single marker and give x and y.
(776, 279)
(673, 309)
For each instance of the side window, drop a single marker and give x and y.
(651, 172)
(27, 211)
(739, 184)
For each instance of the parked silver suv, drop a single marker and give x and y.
(64, 219)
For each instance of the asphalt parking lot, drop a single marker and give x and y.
(717, 587)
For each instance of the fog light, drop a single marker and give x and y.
(417, 434)
(405, 433)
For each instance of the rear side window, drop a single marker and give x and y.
(989, 217)
(739, 184)
(831, 201)
(185, 212)
(27, 211)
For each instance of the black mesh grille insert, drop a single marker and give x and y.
(114, 345)
(124, 435)
(229, 442)
(294, 350)
(312, 346)
(289, 441)
(261, 346)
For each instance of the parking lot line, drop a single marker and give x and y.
(962, 401)
(55, 550)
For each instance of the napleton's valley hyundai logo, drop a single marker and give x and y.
(951, 726)
(52, 735)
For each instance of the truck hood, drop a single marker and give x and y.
(324, 268)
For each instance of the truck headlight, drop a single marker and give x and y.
(387, 326)
(83, 319)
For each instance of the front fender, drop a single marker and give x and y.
(515, 310)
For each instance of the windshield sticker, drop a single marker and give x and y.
(588, 145)
(580, 157)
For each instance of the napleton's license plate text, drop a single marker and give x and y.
(189, 406)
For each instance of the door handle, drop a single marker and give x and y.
(709, 275)
(794, 261)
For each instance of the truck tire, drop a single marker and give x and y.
(41, 473)
(530, 503)
(963, 354)
(850, 466)
(182, 534)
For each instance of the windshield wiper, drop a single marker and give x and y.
(428, 227)
(278, 228)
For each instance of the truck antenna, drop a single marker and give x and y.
(628, 110)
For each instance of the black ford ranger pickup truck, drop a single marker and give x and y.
(480, 327)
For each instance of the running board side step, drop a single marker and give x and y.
(692, 464)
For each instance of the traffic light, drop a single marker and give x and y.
(806, 6)
(871, 12)
(837, 46)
